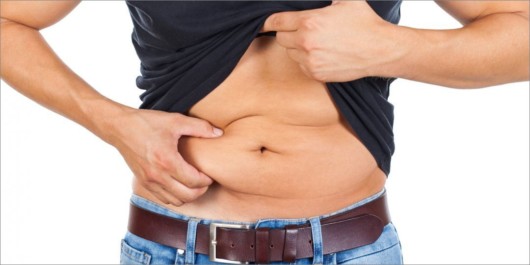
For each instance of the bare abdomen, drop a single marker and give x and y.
(285, 153)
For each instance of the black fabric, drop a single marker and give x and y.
(188, 48)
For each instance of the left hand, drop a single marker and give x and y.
(341, 42)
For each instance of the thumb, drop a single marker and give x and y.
(282, 21)
(197, 127)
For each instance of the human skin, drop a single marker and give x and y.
(491, 48)
(158, 167)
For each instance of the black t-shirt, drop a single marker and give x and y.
(188, 48)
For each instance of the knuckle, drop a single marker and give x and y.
(191, 183)
(276, 21)
(179, 125)
(152, 178)
(320, 79)
(313, 68)
(197, 125)
(318, 76)
(157, 155)
(312, 63)
(204, 125)
(164, 164)
(309, 22)
(162, 160)
(177, 117)
(307, 44)
(149, 179)
(191, 195)
(177, 202)
(186, 198)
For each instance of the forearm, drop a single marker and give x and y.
(30, 66)
(490, 51)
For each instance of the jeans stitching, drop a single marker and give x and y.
(126, 250)
(369, 254)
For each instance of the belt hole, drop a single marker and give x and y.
(272, 246)
(232, 245)
(310, 241)
(252, 246)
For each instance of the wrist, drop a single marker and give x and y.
(416, 52)
(106, 119)
(397, 50)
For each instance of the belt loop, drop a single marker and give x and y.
(290, 244)
(316, 233)
(262, 245)
(191, 237)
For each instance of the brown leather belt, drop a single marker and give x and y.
(228, 243)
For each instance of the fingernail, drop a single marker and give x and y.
(217, 131)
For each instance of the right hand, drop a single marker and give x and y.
(148, 141)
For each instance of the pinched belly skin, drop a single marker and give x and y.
(260, 156)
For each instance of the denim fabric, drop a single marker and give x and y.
(136, 250)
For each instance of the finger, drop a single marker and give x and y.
(288, 40)
(182, 192)
(198, 128)
(306, 71)
(282, 21)
(165, 196)
(297, 55)
(188, 175)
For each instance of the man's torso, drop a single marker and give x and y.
(286, 151)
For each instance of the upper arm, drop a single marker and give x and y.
(468, 11)
(36, 14)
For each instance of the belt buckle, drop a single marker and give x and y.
(213, 241)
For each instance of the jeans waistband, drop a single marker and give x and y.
(189, 241)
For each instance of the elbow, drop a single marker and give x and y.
(521, 11)
(6, 23)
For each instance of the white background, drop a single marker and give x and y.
(459, 186)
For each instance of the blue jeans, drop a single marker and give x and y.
(136, 250)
